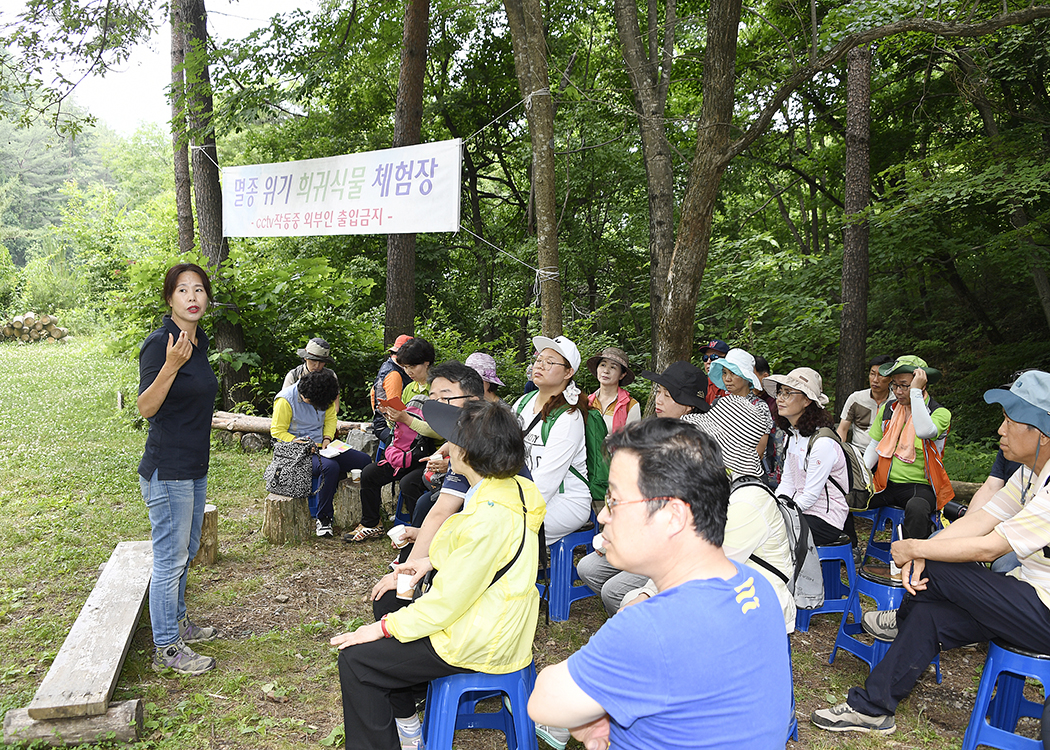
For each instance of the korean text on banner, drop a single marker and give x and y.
(394, 191)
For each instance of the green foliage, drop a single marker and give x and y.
(8, 281)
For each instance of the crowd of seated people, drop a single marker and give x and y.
(690, 532)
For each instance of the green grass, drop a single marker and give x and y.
(69, 492)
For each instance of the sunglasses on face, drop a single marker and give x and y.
(711, 357)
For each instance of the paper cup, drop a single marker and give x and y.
(599, 543)
(404, 586)
(355, 474)
(397, 536)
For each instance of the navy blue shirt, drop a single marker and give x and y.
(1003, 469)
(179, 440)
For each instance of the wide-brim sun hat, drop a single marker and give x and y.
(485, 366)
(804, 379)
(317, 349)
(740, 363)
(908, 363)
(1027, 401)
(562, 345)
(686, 383)
(613, 354)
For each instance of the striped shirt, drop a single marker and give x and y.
(738, 425)
(1023, 509)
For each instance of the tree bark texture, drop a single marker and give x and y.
(408, 125)
(207, 192)
(179, 143)
(853, 326)
(675, 321)
(650, 77)
(525, 19)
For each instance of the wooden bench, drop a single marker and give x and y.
(72, 703)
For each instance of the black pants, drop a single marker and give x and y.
(963, 603)
(333, 471)
(919, 501)
(376, 476)
(824, 533)
(377, 681)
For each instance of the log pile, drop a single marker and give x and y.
(32, 327)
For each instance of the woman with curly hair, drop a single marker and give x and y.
(813, 477)
(306, 411)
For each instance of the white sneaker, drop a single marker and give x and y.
(843, 718)
(881, 624)
(556, 737)
(324, 528)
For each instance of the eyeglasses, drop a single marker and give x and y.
(711, 357)
(900, 386)
(546, 364)
(449, 399)
(611, 502)
(785, 393)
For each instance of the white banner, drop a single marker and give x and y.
(395, 191)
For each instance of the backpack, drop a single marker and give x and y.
(594, 431)
(290, 473)
(806, 582)
(861, 487)
(407, 446)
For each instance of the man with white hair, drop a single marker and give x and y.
(953, 602)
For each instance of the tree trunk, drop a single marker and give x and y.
(650, 78)
(853, 326)
(180, 147)
(674, 323)
(408, 126)
(525, 19)
(207, 192)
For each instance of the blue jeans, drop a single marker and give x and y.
(176, 511)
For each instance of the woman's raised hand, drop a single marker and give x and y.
(179, 351)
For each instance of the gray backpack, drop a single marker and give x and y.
(806, 582)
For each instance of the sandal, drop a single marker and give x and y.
(363, 533)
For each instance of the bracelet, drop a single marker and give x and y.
(382, 626)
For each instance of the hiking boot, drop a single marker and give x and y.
(843, 718)
(180, 658)
(882, 625)
(324, 528)
(556, 737)
(190, 632)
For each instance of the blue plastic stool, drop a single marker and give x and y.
(887, 515)
(836, 594)
(891, 516)
(993, 720)
(793, 725)
(452, 700)
(400, 514)
(887, 594)
(563, 575)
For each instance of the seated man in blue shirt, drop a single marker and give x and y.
(704, 663)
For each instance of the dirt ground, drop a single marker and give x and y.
(332, 579)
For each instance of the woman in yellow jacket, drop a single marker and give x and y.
(480, 612)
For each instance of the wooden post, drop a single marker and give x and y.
(208, 553)
(287, 519)
(122, 722)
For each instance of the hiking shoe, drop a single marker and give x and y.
(556, 737)
(190, 632)
(180, 658)
(882, 625)
(324, 528)
(842, 718)
(363, 533)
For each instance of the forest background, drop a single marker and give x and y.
(959, 193)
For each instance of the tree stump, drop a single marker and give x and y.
(253, 442)
(287, 519)
(346, 505)
(208, 554)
